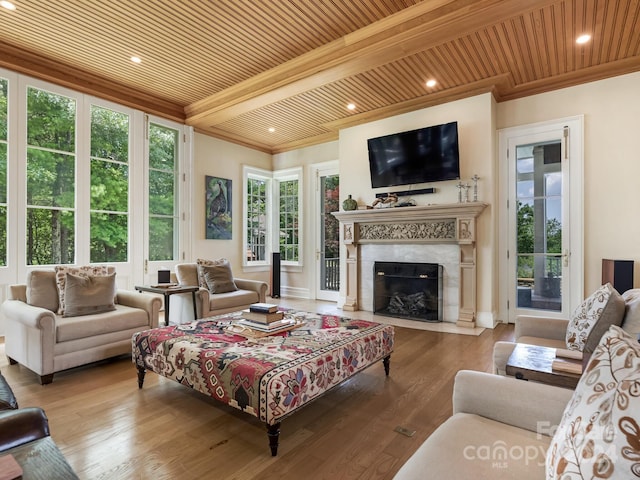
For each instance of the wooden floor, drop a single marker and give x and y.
(109, 429)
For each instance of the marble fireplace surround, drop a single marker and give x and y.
(420, 225)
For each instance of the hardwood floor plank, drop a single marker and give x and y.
(109, 429)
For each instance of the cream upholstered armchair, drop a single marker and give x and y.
(47, 333)
(503, 428)
(220, 292)
(588, 323)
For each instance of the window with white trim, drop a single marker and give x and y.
(289, 186)
(256, 216)
(272, 216)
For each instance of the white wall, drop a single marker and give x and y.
(476, 135)
(217, 158)
(300, 281)
(611, 110)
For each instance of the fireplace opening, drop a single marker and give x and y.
(408, 290)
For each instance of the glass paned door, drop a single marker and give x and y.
(328, 243)
(539, 225)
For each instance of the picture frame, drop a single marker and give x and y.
(218, 208)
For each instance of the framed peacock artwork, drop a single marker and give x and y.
(217, 208)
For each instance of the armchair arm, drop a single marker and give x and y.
(30, 316)
(203, 304)
(255, 285)
(542, 327)
(149, 303)
(532, 406)
(21, 426)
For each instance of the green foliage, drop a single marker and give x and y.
(331, 225)
(161, 234)
(526, 243)
(289, 226)
(3, 173)
(4, 90)
(109, 237)
(256, 217)
(163, 144)
(50, 178)
(109, 134)
(51, 121)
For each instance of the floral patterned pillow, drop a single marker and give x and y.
(599, 435)
(592, 318)
(85, 271)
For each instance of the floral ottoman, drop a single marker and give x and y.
(269, 377)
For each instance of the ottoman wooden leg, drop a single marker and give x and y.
(273, 431)
(141, 372)
(386, 361)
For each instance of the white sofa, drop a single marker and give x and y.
(45, 342)
(210, 304)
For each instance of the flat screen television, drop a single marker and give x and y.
(418, 156)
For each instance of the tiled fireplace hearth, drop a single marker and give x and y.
(423, 230)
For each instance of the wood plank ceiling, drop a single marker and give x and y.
(236, 68)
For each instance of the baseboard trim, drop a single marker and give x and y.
(293, 292)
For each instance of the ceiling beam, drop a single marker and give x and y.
(410, 31)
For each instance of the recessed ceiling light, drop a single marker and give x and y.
(583, 38)
(136, 59)
(7, 5)
(271, 129)
(351, 106)
(431, 83)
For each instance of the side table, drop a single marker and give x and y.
(42, 460)
(167, 292)
(533, 362)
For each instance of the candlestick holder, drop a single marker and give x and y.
(475, 179)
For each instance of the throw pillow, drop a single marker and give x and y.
(599, 435)
(631, 322)
(41, 289)
(208, 263)
(219, 278)
(88, 295)
(592, 318)
(61, 277)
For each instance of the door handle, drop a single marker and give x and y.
(565, 258)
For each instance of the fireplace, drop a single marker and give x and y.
(425, 226)
(408, 290)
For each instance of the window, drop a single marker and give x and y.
(289, 215)
(84, 180)
(109, 185)
(257, 210)
(4, 131)
(163, 208)
(51, 163)
(265, 232)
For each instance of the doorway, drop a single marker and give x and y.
(541, 224)
(327, 195)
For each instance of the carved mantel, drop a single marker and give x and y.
(451, 223)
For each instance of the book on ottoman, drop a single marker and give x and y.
(263, 307)
(264, 318)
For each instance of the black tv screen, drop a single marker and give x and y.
(418, 156)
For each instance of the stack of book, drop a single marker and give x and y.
(265, 317)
